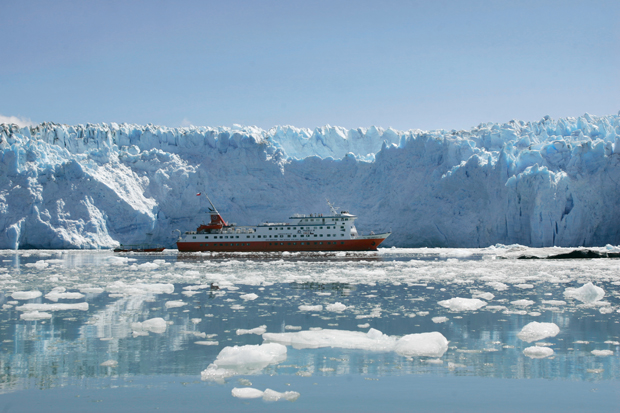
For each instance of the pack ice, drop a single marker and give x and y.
(544, 183)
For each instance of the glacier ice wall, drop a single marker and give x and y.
(552, 182)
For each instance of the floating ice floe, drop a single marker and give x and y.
(438, 320)
(258, 330)
(119, 287)
(538, 352)
(154, 325)
(35, 315)
(522, 303)
(26, 295)
(52, 307)
(207, 343)
(432, 344)
(175, 304)
(60, 293)
(244, 360)
(535, 331)
(267, 395)
(484, 296)
(248, 297)
(336, 307)
(310, 308)
(602, 353)
(462, 304)
(587, 294)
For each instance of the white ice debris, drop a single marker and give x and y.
(248, 297)
(272, 395)
(432, 344)
(26, 295)
(438, 320)
(310, 307)
(53, 307)
(59, 293)
(258, 330)
(522, 303)
(538, 352)
(247, 393)
(462, 304)
(35, 315)
(244, 360)
(119, 287)
(267, 395)
(175, 304)
(484, 296)
(154, 325)
(536, 331)
(587, 294)
(336, 307)
(602, 353)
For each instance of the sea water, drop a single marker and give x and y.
(98, 331)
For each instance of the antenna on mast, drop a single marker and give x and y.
(332, 207)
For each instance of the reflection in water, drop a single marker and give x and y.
(396, 293)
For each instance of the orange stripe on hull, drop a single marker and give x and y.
(266, 246)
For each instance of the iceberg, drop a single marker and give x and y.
(541, 183)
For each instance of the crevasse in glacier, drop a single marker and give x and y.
(552, 182)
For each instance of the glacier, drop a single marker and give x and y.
(545, 183)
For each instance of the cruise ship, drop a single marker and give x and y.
(313, 232)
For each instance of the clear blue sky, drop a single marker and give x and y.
(405, 64)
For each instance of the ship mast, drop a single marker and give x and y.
(332, 207)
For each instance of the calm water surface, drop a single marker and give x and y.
(82, 344)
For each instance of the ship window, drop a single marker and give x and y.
(294, 236)
(329, 243)
(301, 236)
(206, 237)
(320, 243)
(206, 245)
(194, 237)
(289, 243)
(281, 243)
(342, 243)
(328, 235)
(314, 235)
(269, 229)
(312, 220)
(281, 236)
(315, 243)
(237, 236)
(320, 227)
(259, 236)
(248, 236)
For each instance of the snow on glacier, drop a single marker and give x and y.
(544, 183)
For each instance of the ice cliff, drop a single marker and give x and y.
(551, 182)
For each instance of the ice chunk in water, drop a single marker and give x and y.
(462, 304)
(588, 293)
(154, 325)
(538, 352)
(109, 363)
(374, 340)
(253, 357)
(311, 308)
(247, 393)
(602, 353)
(26, 295)
(175, 304)
(522, 303)
(272, 395)
(535, 331)
(336, 307)
(53, 307)
(248, 297)
(35, 315)
(56, 295)
(432, 344)
(438, 320)
(258, 330)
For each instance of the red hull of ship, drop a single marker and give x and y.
(267, 246)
